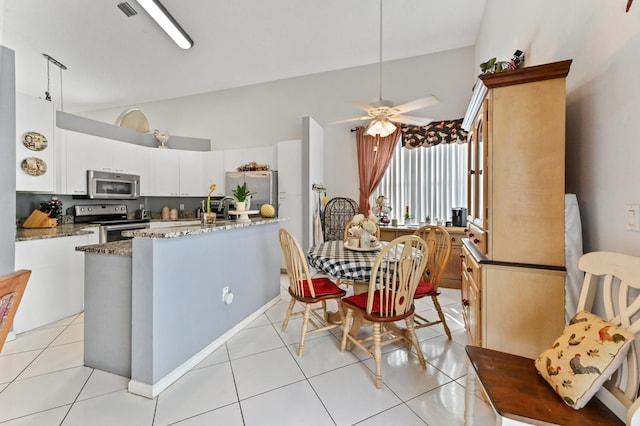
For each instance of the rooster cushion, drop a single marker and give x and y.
(589, 351)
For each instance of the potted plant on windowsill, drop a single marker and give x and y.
(241, 193)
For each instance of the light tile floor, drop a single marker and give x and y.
(256, 378)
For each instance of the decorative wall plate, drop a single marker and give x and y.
(35, 141)
(34, 166)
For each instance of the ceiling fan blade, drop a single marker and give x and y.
(419, 103)
(361, 106)
(410, 119)
(350, 120)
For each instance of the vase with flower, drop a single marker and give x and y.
(208, 217)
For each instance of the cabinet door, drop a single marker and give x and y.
(215, 171)
(86, 152)
(481, 136)
(133, 159)
(35, 115)
(165, 172)
(193, 182)
(290, 167)
(471, 174)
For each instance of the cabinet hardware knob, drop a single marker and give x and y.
(453, 239)
(476, 240)
(462, 256)
(470, 234)
(472, 172)
(469, 270)
(465, 230)
(465, 302)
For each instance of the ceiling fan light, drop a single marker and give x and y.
(382, 127)
(167, 22)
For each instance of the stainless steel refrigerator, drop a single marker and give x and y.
(263, 183)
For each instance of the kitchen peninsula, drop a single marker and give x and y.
(154, 305)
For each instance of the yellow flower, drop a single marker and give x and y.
(211, 189)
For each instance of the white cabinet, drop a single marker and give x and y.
(133, 159)
(86, 152)
(215, 171)
(290, 186)
(165, 172)
(193, 181)
(35, 115)
(56, 287)
(178, 173)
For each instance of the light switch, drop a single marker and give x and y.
(633, 217)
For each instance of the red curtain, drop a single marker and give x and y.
(374, 155)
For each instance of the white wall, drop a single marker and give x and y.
(603, 99)
(266, 113)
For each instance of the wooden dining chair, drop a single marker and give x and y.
(308, 291)
(12, 288)
(519, 394)
(439, 247)
(394, 278)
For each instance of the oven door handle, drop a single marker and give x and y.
(125, 226)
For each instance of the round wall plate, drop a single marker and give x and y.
(34, 166)
(35, 141)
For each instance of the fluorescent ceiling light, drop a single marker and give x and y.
(166, 22)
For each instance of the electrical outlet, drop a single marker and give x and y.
(181, 206)
(225, 291)
(141, 206)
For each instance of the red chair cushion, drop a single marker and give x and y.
(322, 287)
(423, 289)
(360, 301)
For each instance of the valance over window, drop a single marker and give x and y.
(449, 131)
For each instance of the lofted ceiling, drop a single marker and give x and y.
(115, 60)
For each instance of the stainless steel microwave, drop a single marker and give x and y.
(108, 185)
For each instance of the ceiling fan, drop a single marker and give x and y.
(383, 111)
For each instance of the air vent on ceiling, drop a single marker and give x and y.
(127, 9)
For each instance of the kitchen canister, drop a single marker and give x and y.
(166, 214)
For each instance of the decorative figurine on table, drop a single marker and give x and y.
(382, 210)
(162, 138)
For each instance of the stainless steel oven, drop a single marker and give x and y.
(112, 218)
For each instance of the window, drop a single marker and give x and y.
(430, 181)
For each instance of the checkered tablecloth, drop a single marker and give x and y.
(333, 258)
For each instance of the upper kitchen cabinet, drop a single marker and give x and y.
(88, 152)
(215, 171)
(35, 145)
(165, 172)
(178, 173)
(193, 179)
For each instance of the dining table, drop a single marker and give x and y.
(338, 260)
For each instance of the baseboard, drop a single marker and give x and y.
(151, 391)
